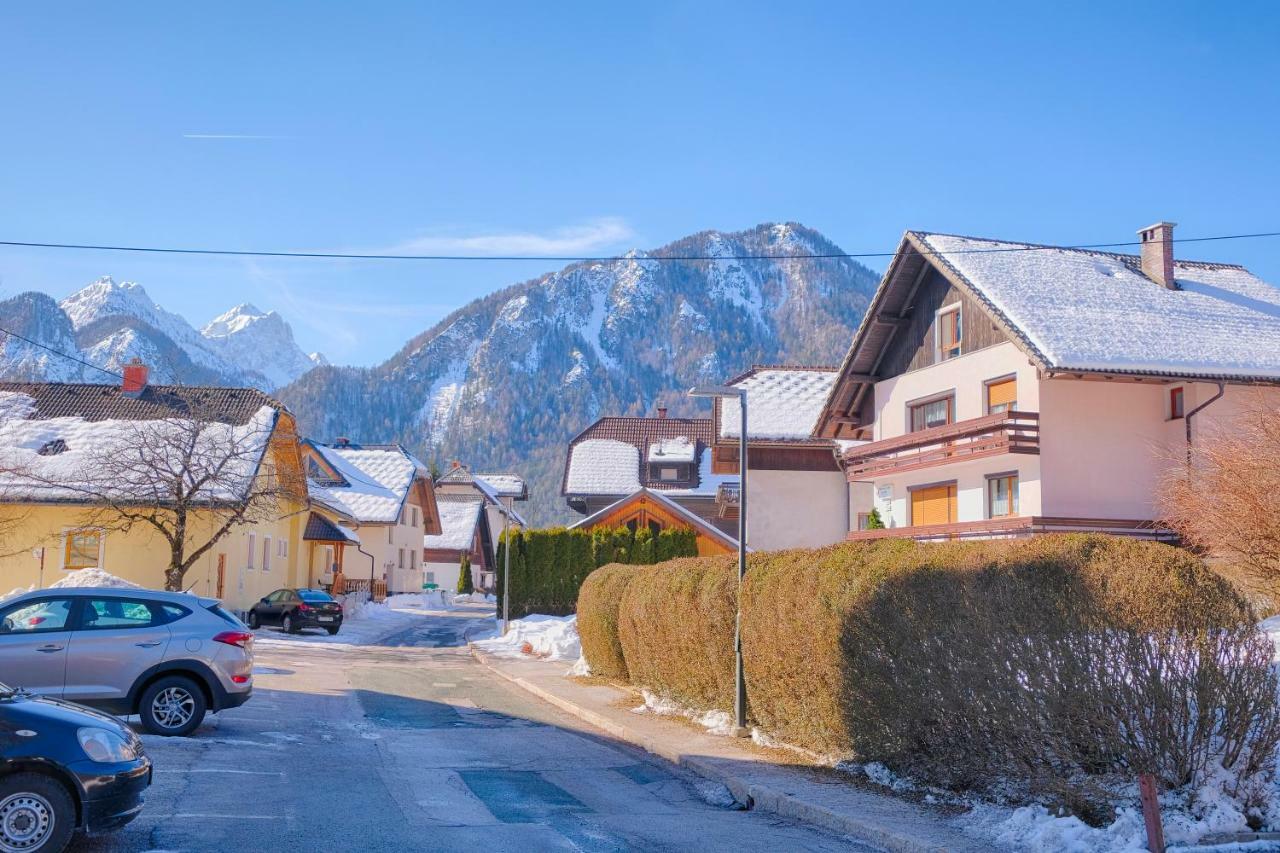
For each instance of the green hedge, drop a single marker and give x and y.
(598, 604)
(549, 566)
(1067, 662)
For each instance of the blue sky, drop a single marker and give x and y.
(573, 128)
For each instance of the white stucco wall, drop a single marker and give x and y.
(795, 509)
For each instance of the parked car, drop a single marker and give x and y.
(295, 609)
(64, 767)
(168, 657)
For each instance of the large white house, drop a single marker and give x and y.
(1003, 388)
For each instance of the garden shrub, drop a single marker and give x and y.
(675, 625)
(1064, 664)
(548, 566)
(465, 585)
(598, 604)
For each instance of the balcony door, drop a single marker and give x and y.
(933, 505)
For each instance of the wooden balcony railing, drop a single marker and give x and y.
(728, 499)
(1020, 525)
(1003, 432)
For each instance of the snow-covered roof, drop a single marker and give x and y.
(603, 466)
(73, 457)
(678, 449)
(458, 520)
(783, 403)
(375, 481)
(1096, 311)
(505, 485)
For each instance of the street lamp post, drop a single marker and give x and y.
(723, 392)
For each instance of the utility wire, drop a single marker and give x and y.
(598, 258)
(59, 352)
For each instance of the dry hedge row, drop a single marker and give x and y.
(1064, 662)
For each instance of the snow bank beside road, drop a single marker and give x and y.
(546, 637)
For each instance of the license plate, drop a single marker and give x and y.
(326, 618)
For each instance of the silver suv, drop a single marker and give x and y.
(166, 656)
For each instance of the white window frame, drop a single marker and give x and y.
(391, 534)
(266, 553)
(253, 547)
(62, 548)
(1015, 501)
(954, 308)
(399, 558)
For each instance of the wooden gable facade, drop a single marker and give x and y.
(648, 509)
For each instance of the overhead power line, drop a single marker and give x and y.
(356, 256)
(59, 352)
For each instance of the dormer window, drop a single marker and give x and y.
(950, 332)
(669, 474)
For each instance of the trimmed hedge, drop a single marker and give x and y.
(599, 601)
(549, 566)
(687, 659)
(1067, 662)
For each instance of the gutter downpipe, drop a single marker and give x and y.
(1222, 389)
(373, 565)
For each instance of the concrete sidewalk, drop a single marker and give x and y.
(767, 780)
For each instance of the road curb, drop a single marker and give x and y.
(759, 797)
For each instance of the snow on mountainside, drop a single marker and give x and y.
(244, 335)
(505, 381)
(109, 323)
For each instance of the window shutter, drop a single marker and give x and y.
(1002, 395)
(934, 505)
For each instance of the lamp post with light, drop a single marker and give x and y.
(728, 392)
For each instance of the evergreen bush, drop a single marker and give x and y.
(465, 586)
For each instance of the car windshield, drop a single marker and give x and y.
(313, 595)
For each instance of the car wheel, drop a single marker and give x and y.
(254, 621)
(288, 625)
(172, 706)
(331, 631)
(36, 814)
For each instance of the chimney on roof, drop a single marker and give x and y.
(1157, 253)
(662, 411)
(455, 464)
(342, 441)
(135, 378)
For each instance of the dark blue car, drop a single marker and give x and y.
(63, 768)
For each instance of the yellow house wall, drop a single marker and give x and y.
(141, 554)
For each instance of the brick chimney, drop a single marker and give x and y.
(455, 464)
(1157, 253)
(135, 378)
(662, 411)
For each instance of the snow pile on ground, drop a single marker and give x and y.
(474, 598)
(715, 722)
(546, 637)
(93, 577)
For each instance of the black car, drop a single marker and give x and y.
(295, 609)
(64, 767)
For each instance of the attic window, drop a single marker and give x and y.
(950, 332)
(53, 448)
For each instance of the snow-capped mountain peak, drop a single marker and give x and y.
(236, 320)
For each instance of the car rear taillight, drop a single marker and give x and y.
(304, 606)
(240, 679)
(234, 638)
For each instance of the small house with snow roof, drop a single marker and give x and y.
(1004, 389)
(498, 494)
(371, 506)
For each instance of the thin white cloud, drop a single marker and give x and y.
(591, 236)
(231, 136)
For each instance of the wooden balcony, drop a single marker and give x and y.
(990, 435)
(728, 500)
(1019, 526)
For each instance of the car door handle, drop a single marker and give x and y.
(148, 644)
(49, 648)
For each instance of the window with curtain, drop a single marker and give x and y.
(1002, 496)
(932, 414)
(1002, 396)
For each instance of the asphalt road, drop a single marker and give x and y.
(412, 745)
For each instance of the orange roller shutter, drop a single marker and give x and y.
(1002, 396)
(934, 505)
